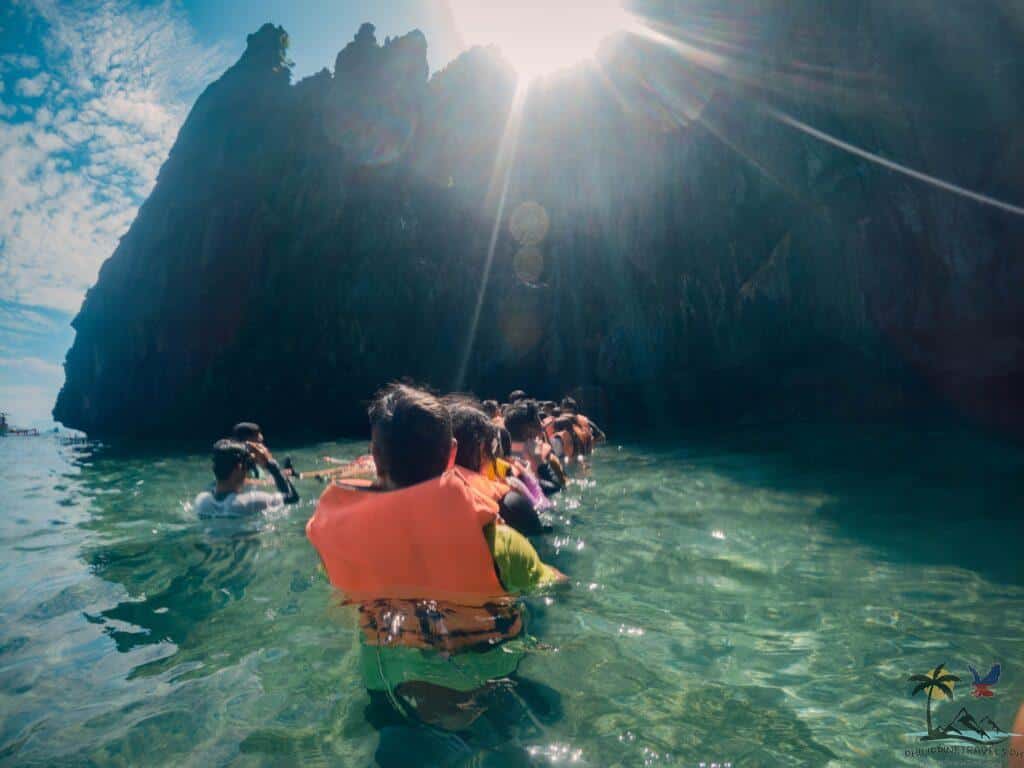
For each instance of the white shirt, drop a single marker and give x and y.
(236, 504)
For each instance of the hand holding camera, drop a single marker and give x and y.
(259, 453)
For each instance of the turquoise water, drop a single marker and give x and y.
(756, 598)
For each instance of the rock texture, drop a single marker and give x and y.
(669, 246)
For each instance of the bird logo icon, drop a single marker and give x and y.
(982, 686)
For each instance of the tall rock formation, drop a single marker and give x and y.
(671, 243)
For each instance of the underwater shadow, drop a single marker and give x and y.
(933, 495)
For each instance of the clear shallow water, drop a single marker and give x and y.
(758, 598)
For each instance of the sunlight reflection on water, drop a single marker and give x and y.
(753, 597)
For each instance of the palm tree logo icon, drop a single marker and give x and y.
(939, 684)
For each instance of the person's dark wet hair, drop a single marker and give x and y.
(522, 420)
(565, 422)
(227, 455)
(412, 434)
(516, 395)
(491, 408)
(505, 440)
(245, 431)
(473, 431)
(568, 404)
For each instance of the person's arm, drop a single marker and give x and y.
(284, 486)
(520, 568)
(518, 512)
(547, 480)
(556, 445)
(559, 470)
(599, 435)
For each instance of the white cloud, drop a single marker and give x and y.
(32, 87)
(116, 83)
(19, 61)
(28, 388)
(32, 367)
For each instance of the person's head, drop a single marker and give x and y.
(247, 432)
(516, 395)
(477, 437)
(522, 420)
(231, 462)
(570, 405)
(490, 407)
(411, 435)
(565, 422)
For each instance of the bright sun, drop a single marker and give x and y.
(538, 37)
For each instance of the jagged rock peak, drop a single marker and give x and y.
(266, 48)
(366, 34)
(361, 55)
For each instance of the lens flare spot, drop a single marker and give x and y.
(528, 264)
(529, 223)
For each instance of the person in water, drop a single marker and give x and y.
(479, 448)
(515, 396)
(491, 408)
(232, 462)
(529, 443)
(570, 407)
(247, 432)
(423, 511)
(250, 432)
(571, 434)
(429, 565)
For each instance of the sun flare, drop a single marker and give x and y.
(539, 37)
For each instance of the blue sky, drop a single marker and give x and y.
(92, 93)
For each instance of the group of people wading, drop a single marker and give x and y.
(427, 536)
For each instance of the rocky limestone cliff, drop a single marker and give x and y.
(669, 248)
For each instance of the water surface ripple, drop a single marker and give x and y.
(758, 597)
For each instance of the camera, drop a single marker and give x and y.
(249, 462)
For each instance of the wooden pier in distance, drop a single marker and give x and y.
(7, 429)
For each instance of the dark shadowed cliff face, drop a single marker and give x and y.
(671, 244)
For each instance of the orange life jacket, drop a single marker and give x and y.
(426, 541)
(494, 490)
(1017, 742)
(585, 433)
